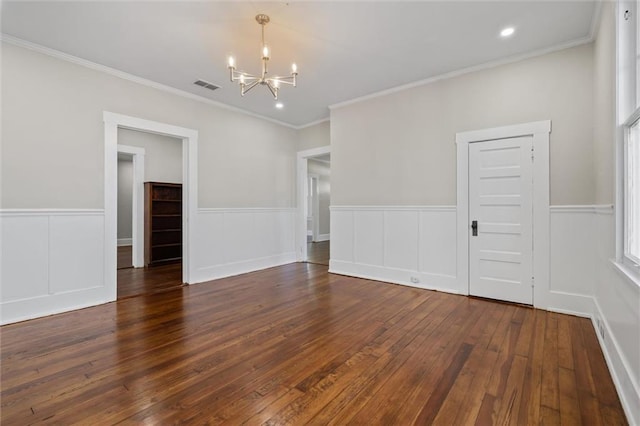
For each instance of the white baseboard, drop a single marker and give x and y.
(230, 269)
(125, 242)
(571, 304)
(628, 389)
(322, 237)
(35, 307)
(445, 283)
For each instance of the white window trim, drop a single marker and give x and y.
(624, 265)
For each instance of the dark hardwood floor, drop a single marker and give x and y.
(153, 279)
(318, 253)
(296, 345)
(125, 259)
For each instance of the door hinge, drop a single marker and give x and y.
(533, 281)
(531, 153)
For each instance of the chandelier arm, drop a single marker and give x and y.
(247, 87)
(283, 80)
(273, 90)
(235, 76)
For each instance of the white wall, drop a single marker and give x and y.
(399, 149)
(162, 155)
(315, 136)
(125, 199)
(243, 161)
(52, 229)
(323, 170)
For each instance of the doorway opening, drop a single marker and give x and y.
(182, 208)
(314, 200)
(156, 161)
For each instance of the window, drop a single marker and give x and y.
(628, 17)
(632, 193)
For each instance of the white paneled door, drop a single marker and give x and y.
(500, 214)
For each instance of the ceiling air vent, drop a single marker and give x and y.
(206, 84)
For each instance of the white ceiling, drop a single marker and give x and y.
(344, 50)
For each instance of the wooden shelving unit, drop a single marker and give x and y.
(162, 223)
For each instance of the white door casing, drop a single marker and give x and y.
(137, 210)
(500, 211)
(189, 137)
(539, 132)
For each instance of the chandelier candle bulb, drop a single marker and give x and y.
(294, 68)
(265, 52)
(232, 62)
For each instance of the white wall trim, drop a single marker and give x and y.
(593, 208)
(52, 261)
(463, 71)
(51, 304)
(302, 172)
(313, 123)
(51, 212)
(112, 122)
(540, 132)
(137, 203)
(428, 281)
(215, 272)
(395, 208)
(206, 210)
(240, 240)
(626, 385)
(323, 237)
(406, 245)
(124, 242)
(130, 77)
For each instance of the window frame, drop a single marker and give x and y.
(627, 115)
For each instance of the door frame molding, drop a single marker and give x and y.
(315, 205)
(189, 137)
(137, 205)
(540, 131)
(302, 185)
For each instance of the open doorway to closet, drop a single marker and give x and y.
(314, 195)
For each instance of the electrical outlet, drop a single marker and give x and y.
(415, 280)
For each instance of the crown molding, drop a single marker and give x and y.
(313, 123)
(130, 77)
(595, 21)
(463, 71)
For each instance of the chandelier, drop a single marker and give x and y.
(249, 81)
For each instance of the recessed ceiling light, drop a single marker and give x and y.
(507, 32)
(279, 105)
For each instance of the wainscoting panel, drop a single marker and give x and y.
(25, 257)
(437, 254)
(369, 237)
(412, 246)
(76, 253)
(342, 231)
(236, 241)
(401, 240)
(52, 261)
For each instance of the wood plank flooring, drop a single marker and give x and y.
(125, 257)
(296, 345)
(154, 279)
(318, 253)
